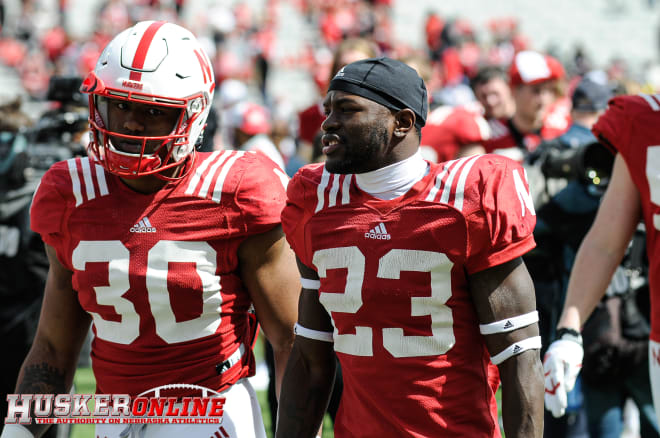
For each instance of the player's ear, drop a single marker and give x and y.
(404, 121)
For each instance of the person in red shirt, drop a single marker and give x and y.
(453, 132)
(533, 78)
(629, 126)
(411, 274)
(162, 249)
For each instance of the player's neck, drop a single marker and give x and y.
(392, 181)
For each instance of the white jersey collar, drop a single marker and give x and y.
(392, 181)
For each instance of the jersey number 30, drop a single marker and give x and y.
(390, 266)
(159, 258)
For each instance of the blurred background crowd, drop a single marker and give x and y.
(522, 79)
(275, 57)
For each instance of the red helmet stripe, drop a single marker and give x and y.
(143, 48)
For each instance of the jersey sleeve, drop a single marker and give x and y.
(501, 223)
(468, 127)
(295, 216)
(612, 128)
(49, 205)
(261, 194)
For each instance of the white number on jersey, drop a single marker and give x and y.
(158, 261)
(390, 266)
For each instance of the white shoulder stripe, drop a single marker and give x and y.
(220, 181)
(346, 189)
(208, 179)
(205, 174)
(438, 181)
(100, 178)
(320, 190)
(337, 188)
(446, 190)
(332, 198)
(651, 101)
(194, 180)
(460, 187)
(87, 177)
(75, 181)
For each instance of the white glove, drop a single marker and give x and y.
(561, 366)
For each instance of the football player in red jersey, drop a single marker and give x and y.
(411, 273)
(453, 132)
(533, 78)
(164, 250)
(629, 126)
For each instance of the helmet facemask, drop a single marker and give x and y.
(132, 155)
(174, 74)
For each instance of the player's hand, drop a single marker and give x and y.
(561, 365)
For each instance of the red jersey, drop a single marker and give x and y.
(630, 125)
(508, 141)
(394, 280)
(448, 129)
(158, 272)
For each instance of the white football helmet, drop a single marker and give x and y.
(156, 63)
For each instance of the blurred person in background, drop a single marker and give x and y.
(566, 201)
(533, 78)
(23, 261)
(618, 371)
(491, 88)
(453, 132)
(250, 126)
(283, 133)
(450, 131)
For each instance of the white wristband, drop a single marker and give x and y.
(509, 324)
(516, 348)
(310, 284)
(312, 334)
(16, 431)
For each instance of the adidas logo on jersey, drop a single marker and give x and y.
(379, 233)
(144, 226)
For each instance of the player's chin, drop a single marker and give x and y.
(336, 164)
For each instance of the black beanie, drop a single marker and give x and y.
(386, 81)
